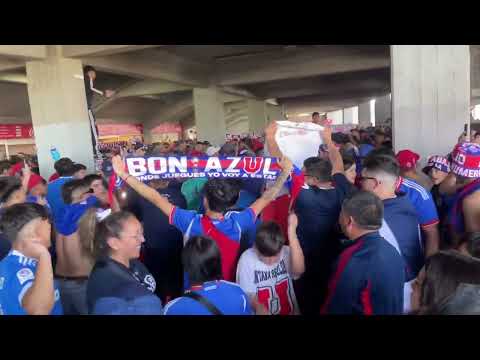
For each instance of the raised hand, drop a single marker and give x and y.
(35, 249)
(118, 166)
(271, 129)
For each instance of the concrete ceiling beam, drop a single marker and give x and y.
(165, 66)
(301, 64)
(100, 50)
(152, 87)
(25, 52)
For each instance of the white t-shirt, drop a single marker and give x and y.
(272, 284)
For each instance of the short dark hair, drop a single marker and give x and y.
(477, 134)
(382, 163)
(318, 168)
(69, 187)
(79, 167)
(385, 151)
(109, 227)
(316, 113)
(221, 194)
(92, 177)
(366, 209)
(269, 240)
(8, 185)
(88, 68)
(202, 260)
(15, 159)
(64, 167)
(444, 272)
(17, 216)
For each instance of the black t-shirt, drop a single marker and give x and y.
(318, 211)
(109, 275)
(159, 234)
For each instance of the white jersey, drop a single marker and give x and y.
(272, 284)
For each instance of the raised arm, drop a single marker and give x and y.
(297, 260)
(270, 194)
(333, 154)
(40, 297)
(143, 190)
(273, 148)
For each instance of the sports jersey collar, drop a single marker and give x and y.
(205, 285)
(399, 183)
(19, 254)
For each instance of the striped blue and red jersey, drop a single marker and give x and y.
(421, 199)
(368, 279)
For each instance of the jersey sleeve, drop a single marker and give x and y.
(23, 281)
(246, 218)
(245, 274)
(181, 218)
(427, 211)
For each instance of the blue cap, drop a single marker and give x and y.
(129, 300)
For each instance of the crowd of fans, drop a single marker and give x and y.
(358, 229)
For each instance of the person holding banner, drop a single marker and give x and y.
(218, 223)
(316, 198)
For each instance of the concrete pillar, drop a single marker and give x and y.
(431, 96)
(209, 115)
(383, 111)
(256, 116)
(350, 115)
(364, 115)
(273, 113)
(59, 111)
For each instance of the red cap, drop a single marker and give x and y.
(407, 159)
(15, 169)
(34, 181)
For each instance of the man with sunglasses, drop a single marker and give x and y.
(400, 226)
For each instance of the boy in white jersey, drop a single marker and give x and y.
(265, 272)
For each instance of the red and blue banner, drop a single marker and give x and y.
(184, 167)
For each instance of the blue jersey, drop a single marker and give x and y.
(17, 274)
(54, 196)
(401, 229)
(368, 280)
(232, 225)
(421, 200)
(67, 222)
(228, 297)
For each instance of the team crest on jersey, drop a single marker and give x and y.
(57, 295)
(150, 281)
(24, 275)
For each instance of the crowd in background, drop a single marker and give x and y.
(359, 229)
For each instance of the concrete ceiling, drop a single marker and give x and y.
(157, 79)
